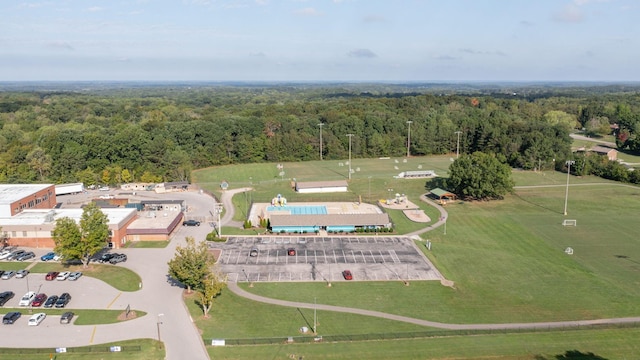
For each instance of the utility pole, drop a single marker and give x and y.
(566, 194)
(458, 144)
(409, 137)
(321, 125)
(218, 209)
(350, 136)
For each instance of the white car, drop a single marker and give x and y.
(27, 298)
(75, 276)
(36, 319)
(5, 254)
(63, 275)
(104, 188)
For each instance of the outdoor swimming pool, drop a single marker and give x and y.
(300, 209)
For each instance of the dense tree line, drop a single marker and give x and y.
(162, 133)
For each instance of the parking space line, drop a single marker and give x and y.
(394, 256)
(93, 334)
(114, 300)
(364, 259)
(354, 257)
(382, 256)
(335, 258)
(238, 257)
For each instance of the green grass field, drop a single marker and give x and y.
(119, 277)
(506, 257)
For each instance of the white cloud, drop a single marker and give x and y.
(480, 52)
(262, 2)
(64, 45)
(95, 9)
(571, 14)
(308, 12)
(362, 53)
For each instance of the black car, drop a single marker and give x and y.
(191, 223)
(66, 317)
(6, 296)
(51, 301)
(117, 258)
(26, 256)
(105, 257)
(11, 317)
(63, 300)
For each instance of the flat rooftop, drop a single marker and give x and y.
(10, 193)
(49, 216)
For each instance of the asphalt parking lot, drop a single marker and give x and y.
(320, 258)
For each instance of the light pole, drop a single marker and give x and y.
(369, 189)
(218, 209)
(321, 125)
(458, 144)
(350, 136)
(408, 137)
(158, 323)
(566, 194)
(315, 317)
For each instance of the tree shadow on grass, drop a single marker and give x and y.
(572, 355)
(534, 204)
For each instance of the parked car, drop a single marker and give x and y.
(26, 256)
(347, 275)
(66, 317)
(118, 258)
(74, 276)
(6, 296)
(291, 252)
(106, 257)
(1, 272)
(253, 252)
(36, 319)
(48, 256)
(51, 301)
(191, 223)
(51, 275)
(22, 273)
(27, 298)
(4, 254)
(103, 188)
(11, 317)
(63, 276)
(8, 275)
(16, 254)
(39, 299)
(63, 300)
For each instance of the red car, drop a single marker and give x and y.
(51, 275)
(291, 252)
(39, 300)
(347, 275)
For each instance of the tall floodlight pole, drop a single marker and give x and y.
(321, 125)
(458, 144)
(409, 137)
(566, 194)
(350, 136)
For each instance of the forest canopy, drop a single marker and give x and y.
(156, 133)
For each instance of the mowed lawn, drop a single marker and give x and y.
(508, 262)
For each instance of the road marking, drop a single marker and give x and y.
(114, 300)
(93, 334)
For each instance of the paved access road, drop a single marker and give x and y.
(158, 298)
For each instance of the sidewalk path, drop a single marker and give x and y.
(536, 325)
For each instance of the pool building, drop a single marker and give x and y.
(330, 217)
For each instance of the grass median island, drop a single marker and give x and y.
(119, 277)
(81, 316)
(138, 349)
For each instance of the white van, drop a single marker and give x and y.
(36, 319)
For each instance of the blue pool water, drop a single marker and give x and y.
(300, 210)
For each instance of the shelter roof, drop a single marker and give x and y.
(329, 219)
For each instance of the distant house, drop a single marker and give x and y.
(611, 154)
(321, 186)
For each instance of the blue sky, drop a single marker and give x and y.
(320, 40)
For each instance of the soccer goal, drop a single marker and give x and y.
(568, 222)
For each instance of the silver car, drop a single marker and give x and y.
(74, 276)
(8, 275)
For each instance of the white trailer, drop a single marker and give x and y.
(66, 189)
